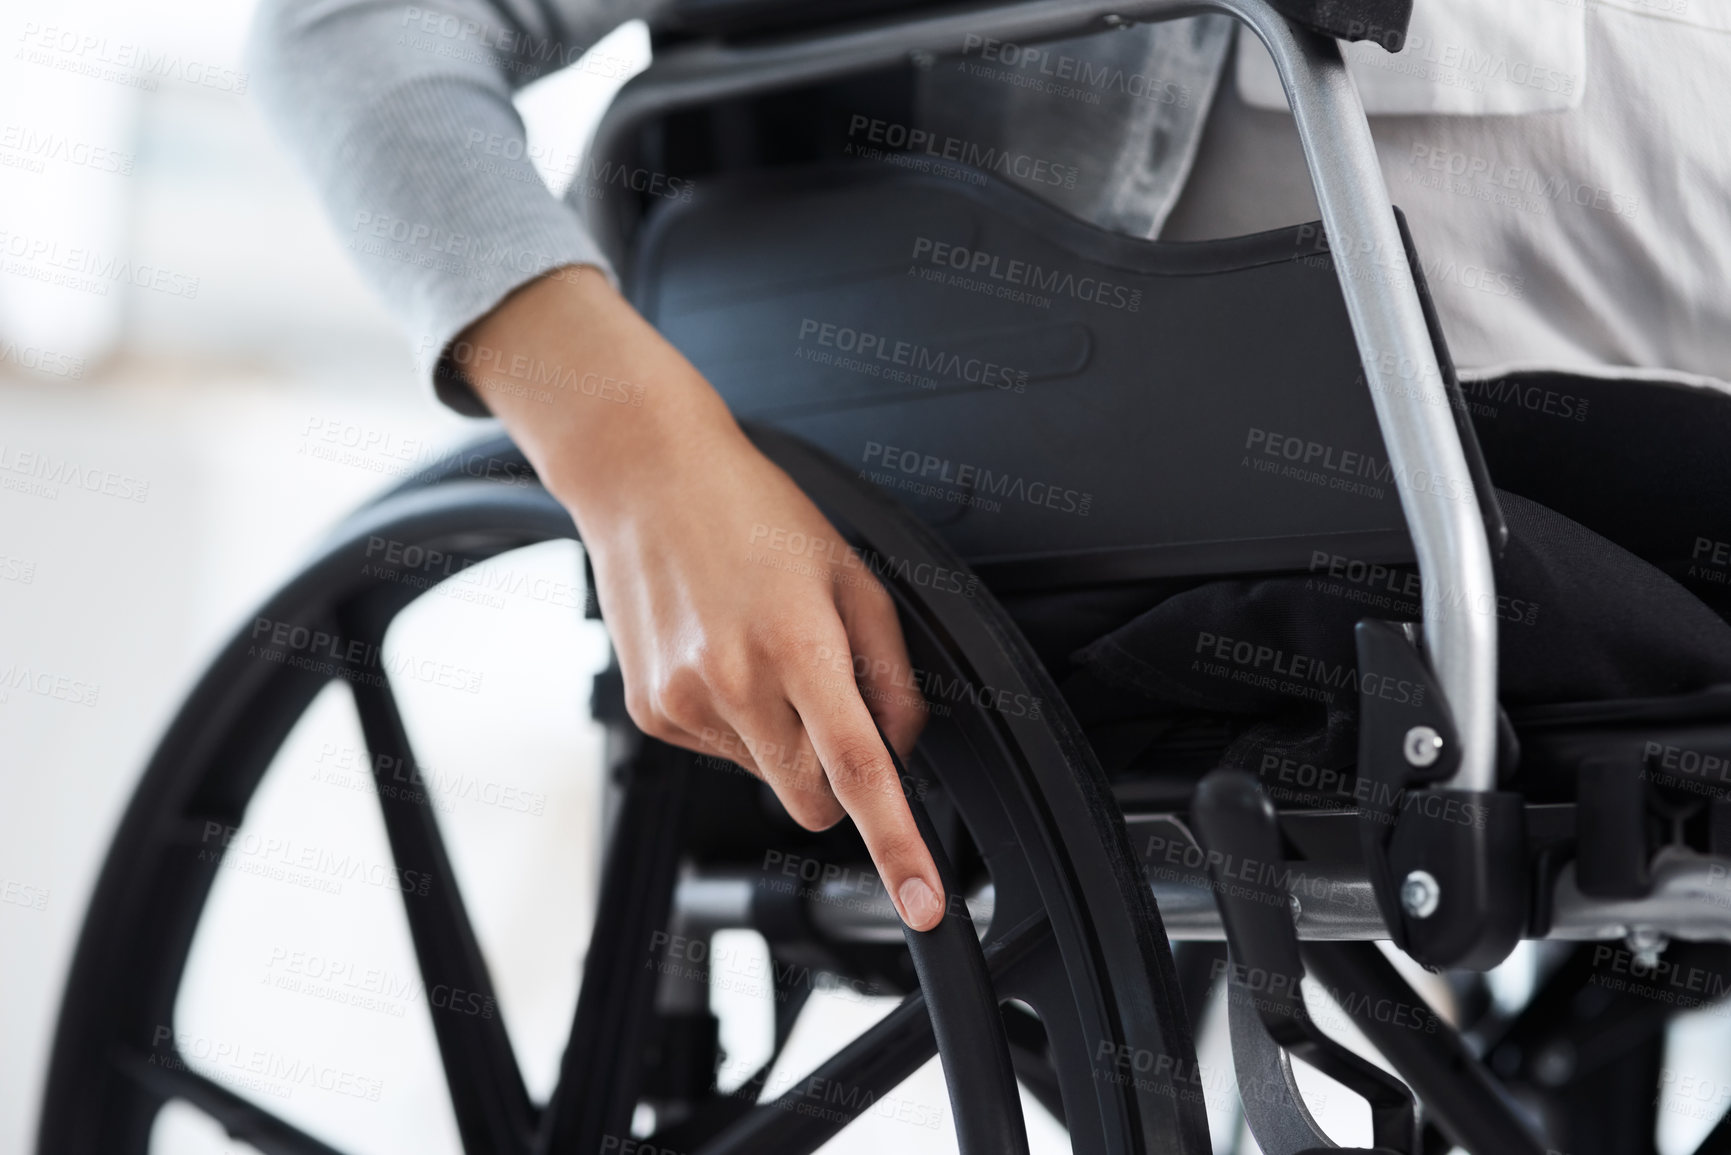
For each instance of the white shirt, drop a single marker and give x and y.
(1565, 168)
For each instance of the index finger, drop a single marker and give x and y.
(865, 782)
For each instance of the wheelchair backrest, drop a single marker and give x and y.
(1384, 21)
(1062, 403)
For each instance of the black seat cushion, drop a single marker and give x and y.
(1580, 619)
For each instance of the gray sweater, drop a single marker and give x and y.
(396, 111)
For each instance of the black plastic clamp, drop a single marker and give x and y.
(1448, 866)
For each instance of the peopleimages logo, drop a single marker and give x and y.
(917, 358)
(1525, 395)
(1338, 468)
(85, 53)
(1709, 559)
(1056, 66)
(30, 149)
(1384, 586)
(1026, 274)
(54, 472)
(974, 479)
(1258, 665)
(85, 269)
(890, 135)
(40, 360)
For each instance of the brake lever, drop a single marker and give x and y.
(1269, 1020)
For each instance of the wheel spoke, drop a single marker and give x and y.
(1460, 1095)
(1040, 979)
(709, 1118)
(836, 1093)
(1579, 1042)
(601, 1072)
(712, 1116)
(168, 1077)
(491, 1104)
(875, 1063)
(1032, 1057)
(1026, 790)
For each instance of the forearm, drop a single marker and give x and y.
(720, 652)
(607, 411)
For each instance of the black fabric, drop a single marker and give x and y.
(1384, 21)
(1580, 619)
(1645, 463)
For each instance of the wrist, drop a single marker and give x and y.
(603, 406)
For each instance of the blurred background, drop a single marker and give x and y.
(177, 317)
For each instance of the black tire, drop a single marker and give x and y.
(1074, 934)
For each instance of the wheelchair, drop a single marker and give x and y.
(1050, 441)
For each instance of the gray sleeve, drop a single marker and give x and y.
(402, 116)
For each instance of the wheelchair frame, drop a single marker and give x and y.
(1093, 923)
(1424, 444)
(1382, 299)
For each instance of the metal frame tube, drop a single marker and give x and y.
(1690, 901)
(1424, 447)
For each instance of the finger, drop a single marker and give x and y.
(880, 664)
(865, 782)
(716, 743)
(786, 760)
(690, 715)
(806, 796)
(682, 714)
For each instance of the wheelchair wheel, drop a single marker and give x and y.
(1077, 959)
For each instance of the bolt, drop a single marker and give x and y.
(1297, 907)
(921, 59)
(1555, 1064)
(1423, 746)
(1113, 20)
(1645, 944)
(1420, 894)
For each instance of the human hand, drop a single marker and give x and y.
(726, 648)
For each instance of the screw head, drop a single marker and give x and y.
(1646, 944)
(1420, 894)
(922, 60)
(1422, 747)
(1555, 1065)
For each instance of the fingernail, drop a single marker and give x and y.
(919, 903)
